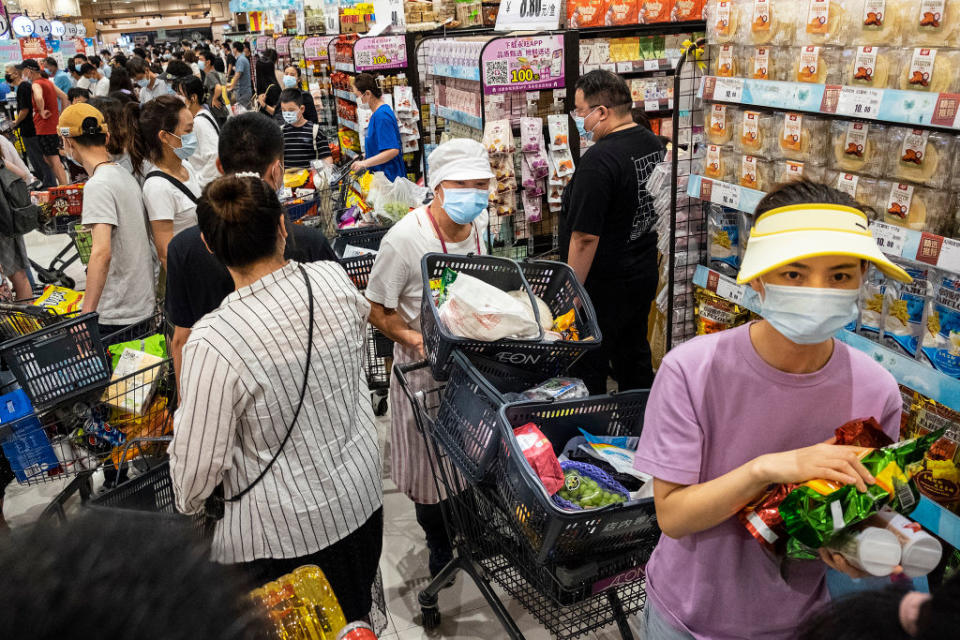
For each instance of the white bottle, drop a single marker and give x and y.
(921, 552)
(870, 549)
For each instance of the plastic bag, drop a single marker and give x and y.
(480, 311)
(155, 345)
(395, 199)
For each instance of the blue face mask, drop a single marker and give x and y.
(578, 120)
(188, 145)
(808, 315)
(143, 82)
(201, 64)
(78, 67)
(464, 205)
(289, 82)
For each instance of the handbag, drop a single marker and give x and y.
(256, 103)
(18, 213)
(214, 507)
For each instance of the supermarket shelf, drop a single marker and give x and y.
(634, 67)
(350, 124)
(907, 371)
(447, 113)
(346, 95)
(918, 246)
(724, 193)
(886, 105)
(456, 71)
(343, 66)
(938, 520)
(663, 105)
(652, 28)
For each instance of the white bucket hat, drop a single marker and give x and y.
(787, 234)
(458, 159)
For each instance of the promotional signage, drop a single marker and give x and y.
(10, 51)
(264, 43)
(296, 48)
(57, 29)
(42, 29)
(71, 30)
(22, 26)
(312, 46)
(383, 52)
(528, 15)
(523, 64)
(283, 45)
(35, 48)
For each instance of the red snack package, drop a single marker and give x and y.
(539, 453)
(762, 516)
(864, 432)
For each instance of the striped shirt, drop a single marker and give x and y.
(242, 371)
(303, 144)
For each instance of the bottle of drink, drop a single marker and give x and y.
(869, 549)
(357, 631)
(920, 552)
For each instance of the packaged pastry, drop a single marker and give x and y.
(816, 64)
(941, 341)
(879, 22)
(498, 137)
(723, 21)
(870, 66)
(820, 21)
(756, 173)
(905, 304)
(786, 171)
(718, 163)
(766, 63)
(933, 23)
(686, 10)
(803, 137)
(756, 133)
(863, 189)
(720, 123)
(650, 11)
(920, 156)
(723, 231)
(771, 21)
(724, 61)
(916, 208)
(929, 70)
(858, 147)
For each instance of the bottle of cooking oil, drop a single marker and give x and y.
(301, 606)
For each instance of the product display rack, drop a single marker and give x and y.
(388, 58)
(317, 65)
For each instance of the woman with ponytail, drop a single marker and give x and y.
(274, 406)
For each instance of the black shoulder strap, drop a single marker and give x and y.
(179, 185)
(209, 118)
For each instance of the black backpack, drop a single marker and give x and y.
(18, 214)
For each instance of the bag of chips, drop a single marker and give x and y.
(60, 300)
(714, 313)
(539, 454)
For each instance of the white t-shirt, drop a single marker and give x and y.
(83, 83)
(204, 159)
(159, 89)
(166, 202)
(395, 280)
(112, 196)
(100, 87)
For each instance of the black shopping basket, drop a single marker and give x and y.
(554, 534)
(554, 279)
(359, 267)
(569, 600)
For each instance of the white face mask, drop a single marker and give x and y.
(808, 315)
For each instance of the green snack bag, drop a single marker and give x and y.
(817, 510)
(448, 277)
(155, 345)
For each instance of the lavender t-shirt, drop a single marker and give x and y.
(715, 405)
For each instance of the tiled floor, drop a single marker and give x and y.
(464, 612)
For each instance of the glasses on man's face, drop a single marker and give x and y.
(591, 108)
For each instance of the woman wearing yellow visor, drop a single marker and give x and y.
(732, 412)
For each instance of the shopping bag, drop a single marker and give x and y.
(480, 311)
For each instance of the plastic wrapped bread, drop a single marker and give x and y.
(723, 21)
(921, 156)
(858, 147)
(755, 173)
(917, 208)
(820, 21)
(877, 22)
(932, 23)
(871, 66)
(725, 60)
(770, 21)
(927, 69)
(787, 171)
(717, 163)
(803, 137)
(816, 64)
(863, 189)
(720, 122)
(756, 133)
(766, 63)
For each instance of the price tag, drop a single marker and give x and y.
(651, 105)
(651, 65)
(727, 288)
(674, 62)
(950, 255)
(890, 238)
(624, 67)
(609, 66)
(728, 90)
(725, 194)
(590, 67)
(859, 102)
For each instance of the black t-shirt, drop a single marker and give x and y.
(607, 197)
(25, 103)
(197, 282)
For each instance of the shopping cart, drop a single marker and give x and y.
(59, 215)
(571, 597)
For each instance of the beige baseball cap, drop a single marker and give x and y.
(787, 234)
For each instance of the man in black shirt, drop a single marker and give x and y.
(196, 281)
(606, 230)
(24, 121)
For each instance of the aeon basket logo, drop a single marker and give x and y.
(518, 358)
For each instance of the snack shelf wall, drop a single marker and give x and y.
(899, 242)
(314, 58)
(906, 371)
(387, 58)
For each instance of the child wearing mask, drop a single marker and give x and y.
(303, 142)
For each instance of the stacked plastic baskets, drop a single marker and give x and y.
(575, 571)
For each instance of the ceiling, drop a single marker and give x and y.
(101, 9)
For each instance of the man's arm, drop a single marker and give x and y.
(162, 234)
(393, 326)
(98, 266)
(61, 95)
(38, 101)
(583, 247)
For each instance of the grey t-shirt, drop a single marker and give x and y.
(112, 196)
(244, 88)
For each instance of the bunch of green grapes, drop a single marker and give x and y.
(584, 491)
